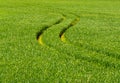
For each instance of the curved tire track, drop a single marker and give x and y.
(39, 34)
(74, 22)
(76, 51)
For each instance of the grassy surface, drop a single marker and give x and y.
(52, 41)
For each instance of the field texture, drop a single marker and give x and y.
(59, 41)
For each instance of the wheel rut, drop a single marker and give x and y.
(61, 35)
(54, 38)
(39, 34)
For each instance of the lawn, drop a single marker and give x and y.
(59, 41)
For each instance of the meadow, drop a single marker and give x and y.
(59, 41)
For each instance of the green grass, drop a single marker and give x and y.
(52, 41)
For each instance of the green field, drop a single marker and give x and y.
(59, 41)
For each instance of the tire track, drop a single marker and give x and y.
(91, 48)
(76, 52)
(106, 63)
(61, 35)
(39, 34)
(74, 22)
